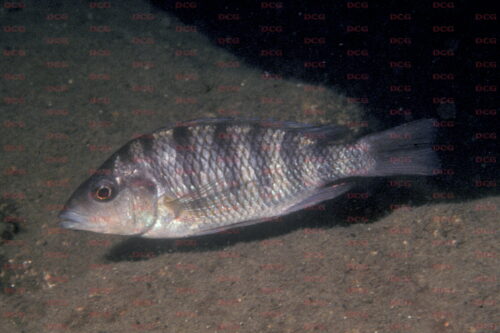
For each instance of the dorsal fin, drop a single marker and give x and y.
(328, 132)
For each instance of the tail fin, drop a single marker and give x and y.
(403, 150)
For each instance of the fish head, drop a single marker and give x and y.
(112, 204)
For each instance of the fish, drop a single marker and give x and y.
(208, 175)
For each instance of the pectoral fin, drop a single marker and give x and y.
(197, 204)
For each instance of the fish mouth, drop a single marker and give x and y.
(73, 220)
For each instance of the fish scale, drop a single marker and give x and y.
(209, 175)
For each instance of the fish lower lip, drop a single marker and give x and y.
(71, 220)
(68, 224)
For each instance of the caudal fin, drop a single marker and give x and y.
(403, 150)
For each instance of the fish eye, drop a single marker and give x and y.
(104, 191)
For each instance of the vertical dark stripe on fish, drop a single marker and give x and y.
(225, 142)
(182, 142)
(147, 144)
(257, 156)
(125, 153)
(181, 135)
(325, 158)
(290, 152)
(266, 154)
(218, 156)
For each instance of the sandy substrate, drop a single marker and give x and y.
(400, 257)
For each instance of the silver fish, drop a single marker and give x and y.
(209, 175)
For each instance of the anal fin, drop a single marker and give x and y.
(321, 194)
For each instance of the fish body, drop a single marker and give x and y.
(210, 175)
